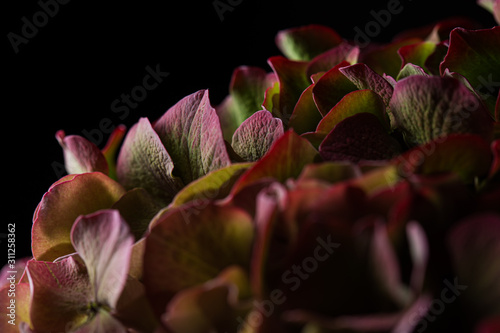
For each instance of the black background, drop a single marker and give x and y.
(88, 54)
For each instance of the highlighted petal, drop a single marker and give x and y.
(331, 88)
(256, 135)
(246, 96)
(81, 155)
(192, 135)
(426, 108)
(144, 162)
(67, 199)
(104, 242)
(216, 185)
(364, 77)
(359, 101)
(304, 43)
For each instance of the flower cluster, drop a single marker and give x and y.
(346, 190)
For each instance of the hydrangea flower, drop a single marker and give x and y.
(342, 189)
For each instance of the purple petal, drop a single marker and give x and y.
(81, 155)
(104, 242)
(365, 78)
(192, 134)
(475, 248)
(359, 137)
(60, 294)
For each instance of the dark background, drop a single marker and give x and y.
(88, 54)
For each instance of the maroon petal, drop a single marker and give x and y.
(284, 160)
(495, 166)
(475, 54)
(305, 116)
(359, 137)
(359, 101)
(331, 88)
(438, 31)
(365, 78)
(417, 54)
(467, 155)
(331, 58)
(491, 325)
(475, 248)
(293, 80)
(60, 295)
(385, 58)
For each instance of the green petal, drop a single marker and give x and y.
(214, 185)
(305, 116)
(144, 162)
(190, 245)
(255, 136)
(246, 96)
(293, 81)
(426, 108)
(67, 199)
(211, 307)
(475, 54)
(284, 160)
(192, 135)
(331, 88)
(359, 101)
(306, 42)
